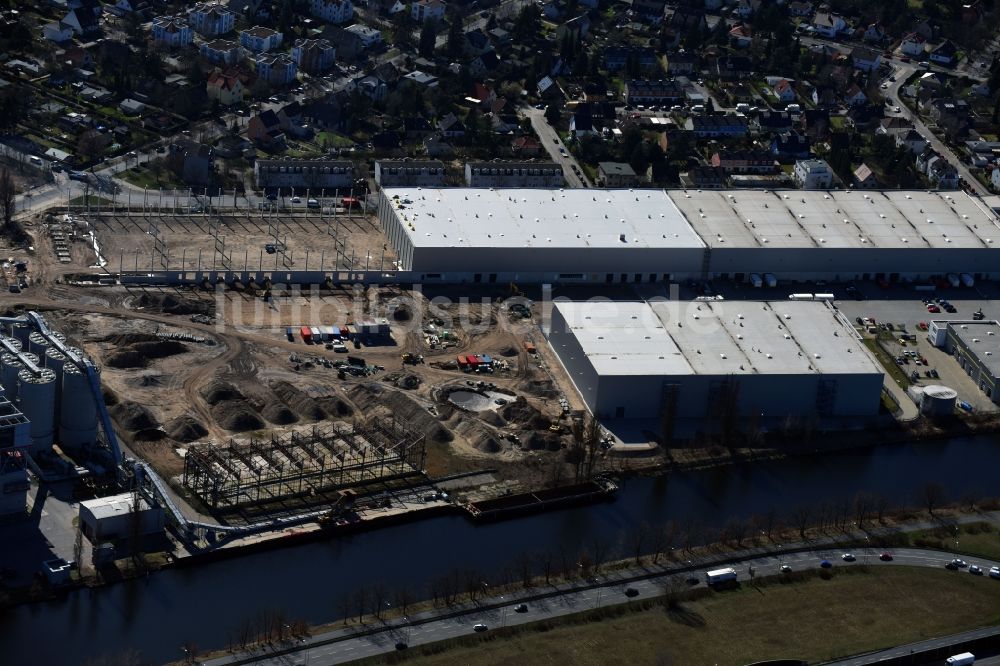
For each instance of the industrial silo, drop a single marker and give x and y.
(78, 413)
(37, 344)
(12, 342)
(54, 361)
(938, 401)
(10, 368)
(21, 331)
(36, 395)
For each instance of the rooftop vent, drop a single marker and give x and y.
(621, 237)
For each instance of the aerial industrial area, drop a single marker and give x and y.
(495, 331)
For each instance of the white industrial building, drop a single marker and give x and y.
(111, 518)
(773, 359)
(613, 236)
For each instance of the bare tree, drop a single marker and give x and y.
(545, 559)
(638, 539)
(970, 499)
(524, 567)
(932, 495)
(800, 518)
(591, 442)
(862, 506)
(403, 597)
(7, 194)
(881, 506)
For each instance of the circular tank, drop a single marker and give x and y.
(36, 395)
(20, 331)
(13, 342)
(37, 344)
(10, 367)
(54, 361)
(78, 413)
(938, 401)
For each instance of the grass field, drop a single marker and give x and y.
(980, 539)
(812, 619)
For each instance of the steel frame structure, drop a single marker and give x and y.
(297, 464)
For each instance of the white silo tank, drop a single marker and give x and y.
(54, 361)
(10, 368)
(36, 396)
(938, 401)
(78, 413)
(21, 331)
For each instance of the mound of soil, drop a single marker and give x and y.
(409, 382)
(236, 416)
(185, 429)
(279, 414)
(126, 339)
(149, 435)
(145, 380)
(539, 441)
(488, 444)
(402, 408)
(508, 352)
(218, 391)
(402, 313)
(126, 359)
(543, 388)
(335, 406)
(110, 397)
(133, 416)
(491, 417)
(300, 403)
(523, 413)
(173, 304)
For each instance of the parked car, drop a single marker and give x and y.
(960, 563)
(786, 569)
(975, 570)
(521, 608)
(826, 564)
(995, 572)
(479, 626)
(631, 592)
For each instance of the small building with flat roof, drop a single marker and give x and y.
(111, 518)
(767, 359)
(976, 348)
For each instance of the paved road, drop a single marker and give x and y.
(499, 612)
(923, 646)
(552, 143)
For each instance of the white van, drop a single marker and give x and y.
(963, 659)
(37, 161)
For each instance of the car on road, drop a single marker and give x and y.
(401, 645)
(562, 151)
(826, 564)
(631, 592)
(312, 203)
(521, 608)
(786, 569)
(960, 563)
(848, 557)
(296, 199)
(995, 572)
(479, 626)
(975, 570)
(556, 141)
(885, 557)
(884, 86)
(951, 566)
(897, 109)
(933, 309)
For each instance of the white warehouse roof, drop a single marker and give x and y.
(716, 338)
(532, 218)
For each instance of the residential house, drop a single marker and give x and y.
(409, 173)
(525, 146)
(927, 30)
(372, 87)
(483, 95)
(259, 39)
(705, 126)
(484, 63)
(251, 10)
(863, 118)
(734, 67)
(824, 97)
(369, 36)
(866, 59)
(784, 91)
(800, 9)
(941, 173)
(315, 175)
(771, 122)
(681, 62)
(705, 178)
(894, 125)
(427, 10)
(865, 179)
(641, 91)
(290, 117)
(57, 31)
(616, 174)
(451, 127)
(875, 32)
(816, 123)
(390, 7)
(476, 42)
(741, 36)
(422, 79)
(332, 11)
(744, 161)
(828, 25)
(276, 68)
(685, 19)
(83, 22)
(944, 53)
(575, 29)
(913, 44)
(193, 162)
(228, 89)
(313, 56)
(264, 129)
(747, 8)
(982, 153)
(591, 118)
(124, 7)
(501, 173)
(172, 31)
(131, 107)
(855, 96)
(221, 52)
(435, 145)
(912, 140)
(790, 146)
(322, 114)
(212, 19)
(813, 174)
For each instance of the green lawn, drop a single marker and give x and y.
(153, 177)
(333, 140)
(980, 539)
(888, 363)
(814, 620)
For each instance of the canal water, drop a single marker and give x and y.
(206, 604)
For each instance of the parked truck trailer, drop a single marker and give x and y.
(717, 576)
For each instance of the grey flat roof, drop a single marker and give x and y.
(982, 338)
(535, 218)
(716, 338)
(838, 219)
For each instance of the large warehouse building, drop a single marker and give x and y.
(770, 359)
(590, 235)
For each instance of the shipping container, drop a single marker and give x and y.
(462, 363)
(472, 360)
(485, 360)
(316, 335)
(822, 297)
(529, 347)
(330, 333)
(306, 334)
(800, 297)
(290, 332)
